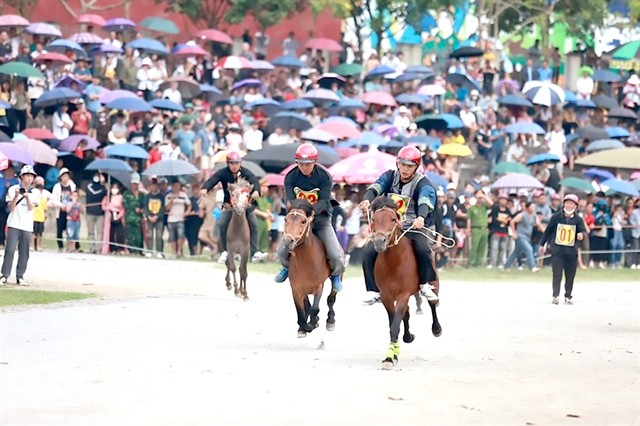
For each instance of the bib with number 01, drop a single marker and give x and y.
(565, 235)
(402, 202)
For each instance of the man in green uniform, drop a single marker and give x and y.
(264, 216)
(133, 201)
(477, 228)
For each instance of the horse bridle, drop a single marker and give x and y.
(231, 204)
(305, 230)
(390, 234)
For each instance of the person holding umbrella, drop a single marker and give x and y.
(564, 229)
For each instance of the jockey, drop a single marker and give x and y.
(416, 200)
(225, 176)
(313, 184)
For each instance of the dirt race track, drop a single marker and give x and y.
(166, 344)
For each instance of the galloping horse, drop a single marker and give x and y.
(238, 236)
(308, 267)
(396, 274)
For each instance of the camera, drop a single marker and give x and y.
(23, 191)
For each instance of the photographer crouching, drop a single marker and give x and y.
(21, 199)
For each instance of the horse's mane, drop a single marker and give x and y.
(240, 183)
(302, 204)
(381, 202)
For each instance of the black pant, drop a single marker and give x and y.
(116, 235)
(191, 228)
(20, 119)
(563, 262)
(4, 215)
(423, 257)
(223, 222)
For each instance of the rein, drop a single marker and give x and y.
(303, 235)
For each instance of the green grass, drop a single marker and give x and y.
(17, 296)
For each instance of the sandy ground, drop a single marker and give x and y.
(166, 344)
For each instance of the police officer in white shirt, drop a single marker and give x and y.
(21, 199)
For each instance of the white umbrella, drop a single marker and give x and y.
(543, 93)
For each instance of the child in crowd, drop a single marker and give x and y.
(39, 214)
(74, 212)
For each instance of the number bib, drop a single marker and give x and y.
(565, 235)
(402, 202)
(310, 196)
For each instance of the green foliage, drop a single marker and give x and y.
(339, 8)
(15, 296)
(266, 13)
(209, 12)
(635, 11)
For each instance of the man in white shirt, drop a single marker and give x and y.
(253, 137)
(402, 120)
(278, 138)
(172, 93)
(21, 200)
(584, 86)
(556, 141)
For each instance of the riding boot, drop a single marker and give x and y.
(369, 256)
(253, 232)
(223, 223)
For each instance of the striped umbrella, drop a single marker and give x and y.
(543, 93)
(234, 62)
(42, 28)
(86, 38)
(171, 168)
(516, 181)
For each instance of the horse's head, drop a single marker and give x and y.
(240, 195)
(297, 223)
(385, 223)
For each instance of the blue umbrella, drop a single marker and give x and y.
(127, 150)
(542, 158)
(606, 76)
(297, 104)
(340, 119)
(572, 137)
(367, 138)
(379, 71)
(269, 106)
(207, 88)
(289, 120)
(249, 82)
(148, 45)
(442, 121)
(604, 144)
(436, 179)
(166, 105)
(599, 174)
(525, 128)
(423, 140)
(402, 78)
(515, 100)
(621, 187)
(617, 132)
(129, 104)
(418, 69)
(409, 98)
(59, 95)
(349, 103)
(288, 62)
(105, 48)
(586, 103)
(62, 45)
(109, 165)
(171, 168)
(570, 97)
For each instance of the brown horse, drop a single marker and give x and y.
(396, 274)
(308, 267)
(238, 236)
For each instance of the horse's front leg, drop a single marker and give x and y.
(228, 278)
(314, 310)
(394, 330)
(243, 276)
(418, 304)
(436, 329)
(231, 265)
(407, 337)
(301, 301)
(331, 316)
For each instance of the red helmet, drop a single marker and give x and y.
(306, 153)
(234, 157)
(409, 155)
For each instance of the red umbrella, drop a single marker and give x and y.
(340, 129)
(91, 19)
(40, 134)
(191, 51)
(362, 168)
(324, 44)
(234, 62)
(56, 58)
(379, 98)
(215, 35)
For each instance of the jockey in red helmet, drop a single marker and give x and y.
(225, 176)
(416, 200)
(313, 184)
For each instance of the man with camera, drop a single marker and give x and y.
(21, 199)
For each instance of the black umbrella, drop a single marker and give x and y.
(515, 100)
(623, 113)
(277, 157)
(604, 101)
(462, 80)
(606, 76)
(466, 52)
(592, 133)
(251, 166)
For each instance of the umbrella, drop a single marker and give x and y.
(604, 101)
(349, 103)
(161, 25)
(327, 80)
(215, 35)
(423, 140)
(462, 80)
(386, 130)
(599, 174)
(71, 143)
(379, 97)
(105, 48)
(16, 153)
(171, 168)
(274, 179)
(543, 93)
(431, 90)
(109, 165)
(364, 168)
(68, 81)
(627, 51)
(127, 150)
(402, 78)
(505, 167)
(517, 180)
(297, 104)
(277, 157)
(604, 144)
(129, 104)
(324, 44)
(288, 62)
(543, 158)
(348, 69)
(249, 82)
(621, 187)
(261, 65)
(466, 52)
(525, 128)
(42, 28)
(577, 183)
(623, 113)
(39, 134)
(570, 97)
(439, 121)
(62, 45)
(585, 69)
(636, 184)
(617, 132)
(111, 95)
(622, 158)
(340, 130)
(20, 69)
(234, 62)
(410, 98)
(317, 135)
(418, 69)
(166, 105)
(210, 90)
(606, 76)
(249, 165)
(289, 120)
(91, 19)
(437, 180)
(57, 59)
(59, 95)
(13, 21)
(5, 105)
(515, 100)
(585, 103)
(148, 45)
(119, 24)
(190, 51)
(5, 138)
(592, 133)
(86, 38)
(269, 106)
(339, 119)
(509, 85)
(455, 150)
(366, 139)
(40, 152)
(321, 96)
(379, 71)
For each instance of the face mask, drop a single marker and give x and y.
(568, 212)
(114, 191)
(40, 187)
(96, 179)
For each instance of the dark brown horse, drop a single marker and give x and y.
(396, 274)
(308, 267)
(238, 236)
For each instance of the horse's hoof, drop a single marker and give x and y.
(245, 298)
(228, 286)
(301, 334)
(419, 312)
(408, 338)
(388, 364)
(331, 326)
(315, 325)
(437, 332)
(436, 303)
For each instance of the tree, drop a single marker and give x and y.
(266, 13)
(210, 12)
(635, 11)
(90, 6)
(22, 7)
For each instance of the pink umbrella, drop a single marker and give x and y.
(191, 51)
(345, 152)
(274, 180)
(234, 62)
(215, 35)
(517, 181)
(110, 95)
(43, 28)
(13, 21)
(91, 19)
(324, 44)
(340, 129)
(40, 151)
(321, 95)
(71, 143)
(86, 38)
(56, 58)
(4, 161)
(635, 175)
(378, 97)
(362, 168)
(431, 90)
(38, 133)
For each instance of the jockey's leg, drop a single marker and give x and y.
(223, 223)
(323, 229)
(254, 237)
(283, 257)
(425, 265)
(369, 256)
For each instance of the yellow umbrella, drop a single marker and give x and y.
(455, 150)
(621, 158)
(221, 156)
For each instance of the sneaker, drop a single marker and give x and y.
(3, 280)
(259, 257)
(426, 290)
(148, 254)
(555, 301)
(282, 275)
(534, 270)
(336, 283)
(634, 266)
(160, 256)
(489, 266)
(568, 301)
(223, 257)
(375, 299)
(22, 282)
